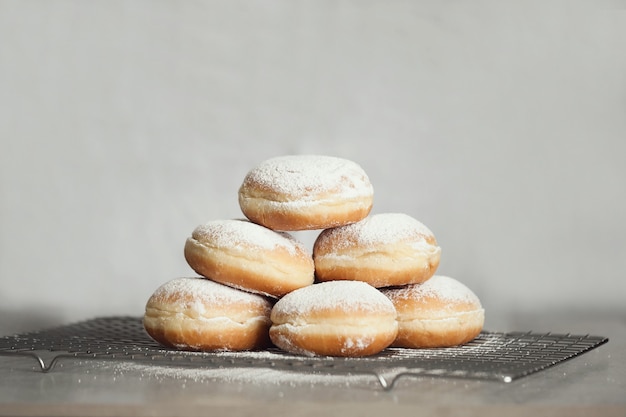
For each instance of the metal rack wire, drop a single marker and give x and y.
(491, 356)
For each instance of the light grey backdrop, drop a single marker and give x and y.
(125, 124)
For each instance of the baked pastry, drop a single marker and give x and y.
(441, 312)
(202, 315)
(383, 250)
(250, 257)
(336, 318)
(306, 192)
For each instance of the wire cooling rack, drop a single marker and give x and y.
(491, 356)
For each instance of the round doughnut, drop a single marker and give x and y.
(199, 314)
(250, 257)
(306, 192)
(441, 312)
(335, 318)
(383, 250)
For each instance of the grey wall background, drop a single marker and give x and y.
(125, 124)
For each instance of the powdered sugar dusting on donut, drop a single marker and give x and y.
(347, 295)
(303, 177)
(439, 286)
(380, 229)
(233, 233)
(201, 292)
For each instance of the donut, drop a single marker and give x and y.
(202, 315)
(306, 192)
(441, 312)
(386, 249)
(250, 257)
(335, 318)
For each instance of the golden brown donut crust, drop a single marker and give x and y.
(441, 312)
(321, 215)
(306, 192)
(337, 318)
(248, 256)
(388, 249)
(334, 340)
(198, 314)
(453, 331)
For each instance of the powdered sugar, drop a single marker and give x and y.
(236, 233)
(252, 376)
(439, 286)
(358, 343)
(303, 177)
(198, 293)
(348, 295)
(379, 229)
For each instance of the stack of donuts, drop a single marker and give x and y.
(368, 284)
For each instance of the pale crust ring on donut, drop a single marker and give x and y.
(273, 272)
(191, 320)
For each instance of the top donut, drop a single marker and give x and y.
(306, 192)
